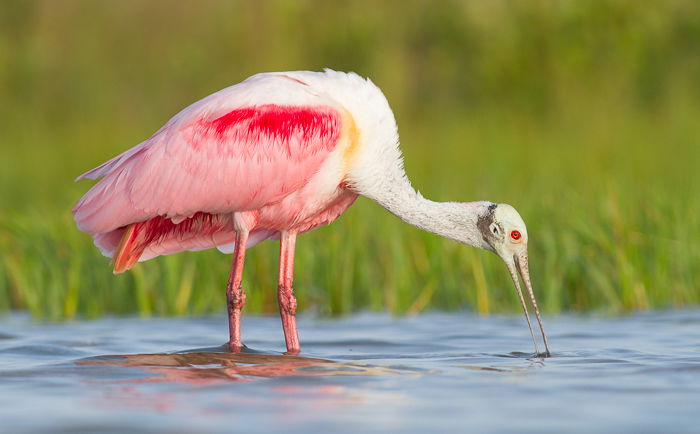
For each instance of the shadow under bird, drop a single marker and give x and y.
(274, 156)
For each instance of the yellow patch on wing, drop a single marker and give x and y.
(351, 137)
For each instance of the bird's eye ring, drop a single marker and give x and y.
(515, 235)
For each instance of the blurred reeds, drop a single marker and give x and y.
(583, 115)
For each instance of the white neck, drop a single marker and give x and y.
(453, 220)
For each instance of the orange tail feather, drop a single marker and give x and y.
(129, 250)
(138, 236)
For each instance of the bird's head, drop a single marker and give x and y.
(504, 233)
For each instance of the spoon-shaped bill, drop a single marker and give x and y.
(519, 262)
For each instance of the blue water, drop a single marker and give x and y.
(365, 373)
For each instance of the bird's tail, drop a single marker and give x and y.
(161, 236)
(129, 250)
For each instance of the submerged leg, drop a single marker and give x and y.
(285, 292)
(235, 296)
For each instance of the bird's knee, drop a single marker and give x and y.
(287, 300)
(236, 296)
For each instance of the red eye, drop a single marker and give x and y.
(515, 235)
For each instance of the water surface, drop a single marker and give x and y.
(365, 373)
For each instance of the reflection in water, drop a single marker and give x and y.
(508, 369)
(534, 362)
(217, 366)
(207, 367)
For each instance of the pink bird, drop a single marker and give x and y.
(269, 158)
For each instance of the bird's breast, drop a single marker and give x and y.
(302, 212)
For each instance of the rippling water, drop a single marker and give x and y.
(365, 373)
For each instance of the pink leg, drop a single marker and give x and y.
(285, 292)
(235, 296)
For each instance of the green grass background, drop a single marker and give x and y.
(585, 115)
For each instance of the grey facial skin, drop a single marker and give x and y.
(484, 223)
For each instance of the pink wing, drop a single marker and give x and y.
(224, 153)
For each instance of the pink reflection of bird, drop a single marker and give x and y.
(274, 156)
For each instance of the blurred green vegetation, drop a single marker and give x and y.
(582, 114)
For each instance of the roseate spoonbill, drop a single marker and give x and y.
(274, 156)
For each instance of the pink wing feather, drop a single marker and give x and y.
(223, 154)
